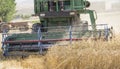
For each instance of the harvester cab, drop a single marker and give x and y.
(59, 21)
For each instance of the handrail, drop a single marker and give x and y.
(47, 40)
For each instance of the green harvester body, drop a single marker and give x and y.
(63, 12)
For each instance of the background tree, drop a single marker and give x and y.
(7, 9)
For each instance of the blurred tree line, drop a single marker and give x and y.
(7, 9)
(22, 16)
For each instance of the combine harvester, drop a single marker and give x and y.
(59, 21)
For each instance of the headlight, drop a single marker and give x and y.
(72, 13)
(42, 15)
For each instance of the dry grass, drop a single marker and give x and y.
(80, 55)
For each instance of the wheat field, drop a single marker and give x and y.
(80, 55)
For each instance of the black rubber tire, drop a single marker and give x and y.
(4, 28)
(87, 4)
(36, 26)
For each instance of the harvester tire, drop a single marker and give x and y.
(87, 4)
(35, 27)
(4, 28)
(111, 33)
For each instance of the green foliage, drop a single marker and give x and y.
(7, 9)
